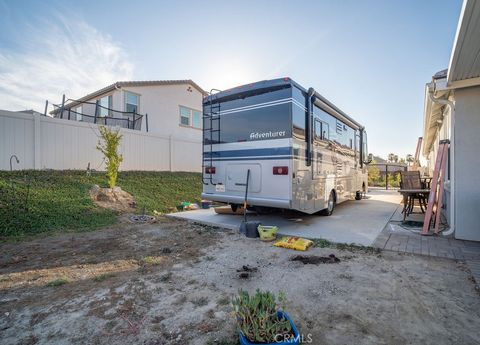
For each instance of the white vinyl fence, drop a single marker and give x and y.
(42, 142)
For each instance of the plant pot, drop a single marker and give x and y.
(294, 341)
(267, 233)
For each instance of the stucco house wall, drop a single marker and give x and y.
(162, 104)
(467, 163)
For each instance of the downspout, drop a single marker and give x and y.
(311, 94)
(451, 105)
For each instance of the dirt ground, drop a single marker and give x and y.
(170, 282)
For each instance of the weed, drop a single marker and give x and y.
(322, 243)
(209, 258)
(356, 248)
(192, 281)
(200, 302)
(223, 300)
(166, 277)
(151, 260)
(58, 282)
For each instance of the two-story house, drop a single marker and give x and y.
(163, 107)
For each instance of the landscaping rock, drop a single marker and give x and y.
(114, 199)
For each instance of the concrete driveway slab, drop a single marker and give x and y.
(357, 222)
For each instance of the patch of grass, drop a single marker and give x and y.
(223, 300)
(48, 201)
(357, 248)
(322, 243)
(103, 276)
(209, 258)
(200, 302)
(58, 282)
(151, 260)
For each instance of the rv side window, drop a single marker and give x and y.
(298, 113)
(318, 130)
(321, 130)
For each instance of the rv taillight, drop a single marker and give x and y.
(210, 170)
(280, 170)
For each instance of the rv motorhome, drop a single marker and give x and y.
(299, 151)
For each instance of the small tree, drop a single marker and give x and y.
(108, 145)
(373, 174)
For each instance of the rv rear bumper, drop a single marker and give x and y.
(251, 201)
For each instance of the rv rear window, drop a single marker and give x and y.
(259, 117)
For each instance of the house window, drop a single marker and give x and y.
(190, 117)
(196, 115)
(105, 104)
(132, 102)
(78, 113)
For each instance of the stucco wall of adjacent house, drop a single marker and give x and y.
(467, 163)
(162, 105)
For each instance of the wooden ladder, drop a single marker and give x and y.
(416, 159)
(436, 191)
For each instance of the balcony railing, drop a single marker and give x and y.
(95, 113)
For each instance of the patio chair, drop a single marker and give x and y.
(412, 180)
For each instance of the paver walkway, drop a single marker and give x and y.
(407, 239)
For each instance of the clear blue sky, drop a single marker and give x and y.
(371, 58)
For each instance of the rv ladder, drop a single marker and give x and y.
(435, 198)
(213, 119)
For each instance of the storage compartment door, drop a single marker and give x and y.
(237, 177)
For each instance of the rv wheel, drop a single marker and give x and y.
(330, 205)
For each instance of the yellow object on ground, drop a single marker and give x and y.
(267, 233)
(296, 243)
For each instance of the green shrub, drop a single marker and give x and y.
(109, 148)
(257, 316)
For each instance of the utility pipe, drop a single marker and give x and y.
(451, 105)
(310, 96)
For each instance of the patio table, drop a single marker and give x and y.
(408, 199)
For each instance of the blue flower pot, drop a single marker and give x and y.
(294, 341)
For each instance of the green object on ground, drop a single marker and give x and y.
(267, 233)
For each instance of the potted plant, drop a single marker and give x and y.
(261, 319)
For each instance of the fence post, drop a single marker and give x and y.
(386, 176)
(128, 122)
(170, 153)
(146, 121)
(96, 112)
(46, 108)
(69, 113)
(63, 105)
(37, 139)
